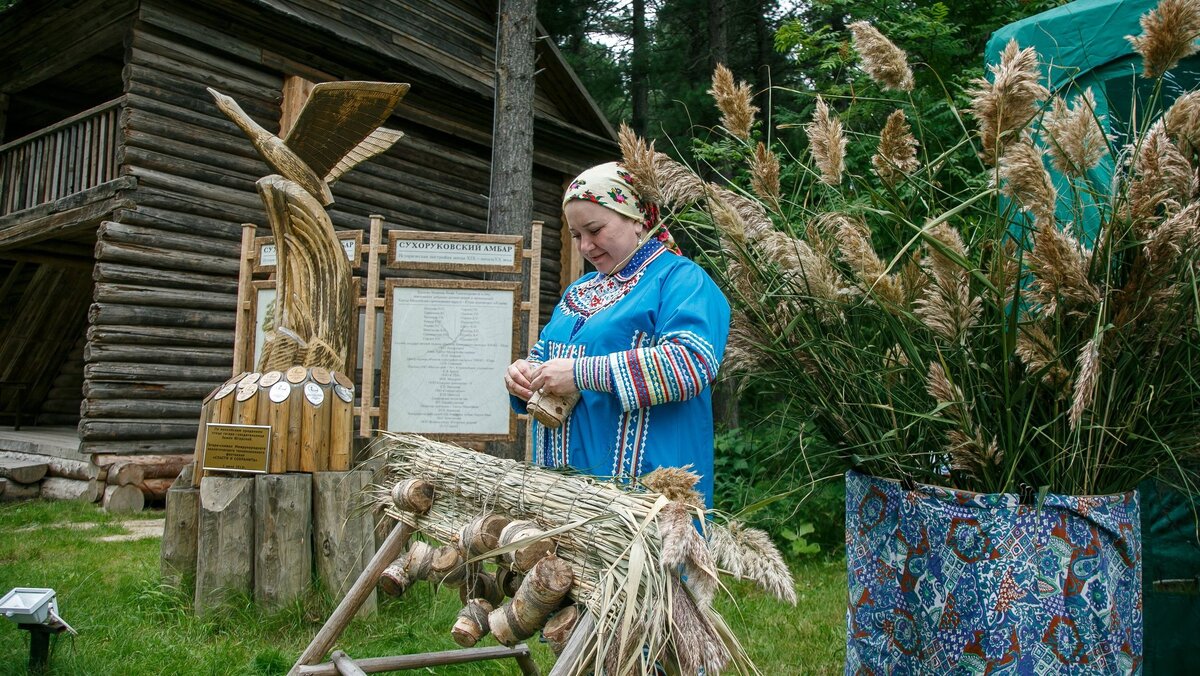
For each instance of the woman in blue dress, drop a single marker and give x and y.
(640, 339)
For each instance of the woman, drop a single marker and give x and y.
(641, 339)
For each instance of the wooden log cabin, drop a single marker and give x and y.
(123, 188)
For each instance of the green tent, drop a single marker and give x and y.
(1082, 44)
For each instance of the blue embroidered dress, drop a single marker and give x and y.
(647, 343)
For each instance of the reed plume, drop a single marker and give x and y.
(827, 143)
(764, 176)
(1162, 177)
(1060, 270)
(1025, 180)
(1037, 351)
(1183, 123)
(734, 101)
(896, 156)
(884, 62)
(1169, 34)
(947, 306)
(677, 484)
(1085, 382)
(749, 554)
(854, 240)
(1076, 142)
(1004, 105)
(965, 446)
(638, 158)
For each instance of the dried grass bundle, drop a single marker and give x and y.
(1025, 180)
(749, 554)
(677, 484)
(734, 101)
(947, 306)
(827, 143)
(1076, 141)
(886, 63)
(854, 240)
(1004, 105)
(1169, 34)
(896, 156)
(611, 538)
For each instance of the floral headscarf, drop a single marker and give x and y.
(611, 186)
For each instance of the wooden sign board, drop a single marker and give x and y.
(446, 346)
(264, 251)
(238, 448)
(454, 251)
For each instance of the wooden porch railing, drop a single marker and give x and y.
(65, 158)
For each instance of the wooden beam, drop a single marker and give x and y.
(296, 90)
(68, 215)
(379, 665)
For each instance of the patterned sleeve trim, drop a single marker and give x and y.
(679, 367)
(594, 373)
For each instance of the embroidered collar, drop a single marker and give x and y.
(646, 253)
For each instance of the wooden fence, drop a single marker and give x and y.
(62, 159)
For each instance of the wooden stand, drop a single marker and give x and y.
(388, 552)
(225, 541)
(283, 559)
(343, 536)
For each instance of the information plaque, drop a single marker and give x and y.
(454, 251)
(237, 448)
(447, 345)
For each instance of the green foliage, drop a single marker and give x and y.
(129, 624)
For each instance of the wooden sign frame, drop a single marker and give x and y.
(354, 259)
(385, 376)
(397, 236)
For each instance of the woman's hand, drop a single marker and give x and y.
(516, 379)
(556, 376)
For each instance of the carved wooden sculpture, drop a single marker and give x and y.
(338, 128)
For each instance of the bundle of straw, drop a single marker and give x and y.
(624, 548)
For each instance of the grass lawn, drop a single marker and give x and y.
(128, 624)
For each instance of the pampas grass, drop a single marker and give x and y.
(1169, 33)
(896, 156)
(886, 63)
(1009, 101)
(827, 143)
(734, 102)
(1078, 143)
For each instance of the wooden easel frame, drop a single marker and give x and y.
(371, 300)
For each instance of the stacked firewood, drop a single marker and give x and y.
(634, 568)
(119, 483)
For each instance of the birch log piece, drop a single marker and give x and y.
(225, 541)
(57, 488)
(471, 625)
(509, 581)
(541, 592)
(482, 534)
(523, 559)
(481, 584)
(411, 567)
(57, 467)
(559, 627)
(343, 536)
(413, 495)
(448, 567)
(123, 499)
(177, 561)
(125, 473)
(282, 538)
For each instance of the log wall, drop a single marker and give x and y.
(162, 321)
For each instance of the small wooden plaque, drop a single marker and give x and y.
(237, 448)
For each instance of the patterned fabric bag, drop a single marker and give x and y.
(945, 581)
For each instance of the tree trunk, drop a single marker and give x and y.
(282, 538)
(510, 209)
(639, 71)
(718, 43)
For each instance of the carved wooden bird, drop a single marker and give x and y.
(338, 127)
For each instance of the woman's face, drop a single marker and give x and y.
(604, 237)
